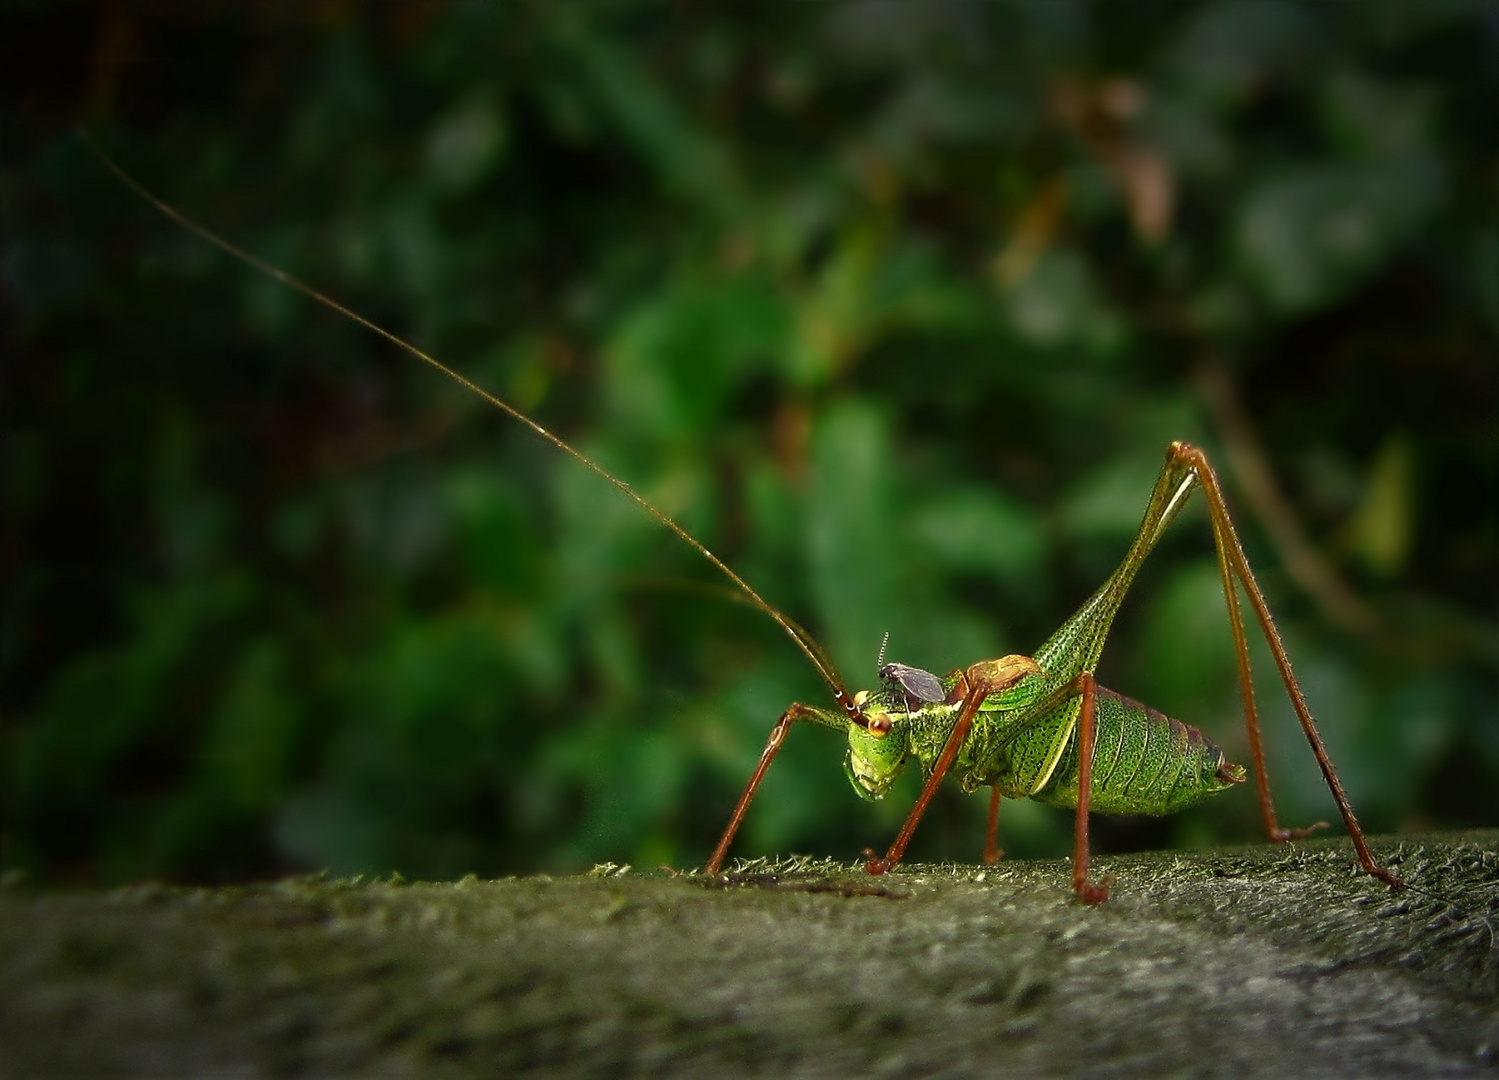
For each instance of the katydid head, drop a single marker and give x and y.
(877, 749)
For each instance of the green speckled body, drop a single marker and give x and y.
(1024, 740)
(1143, 762)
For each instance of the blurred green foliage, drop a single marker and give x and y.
(895, 306)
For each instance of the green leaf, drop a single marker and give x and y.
(852, 531)
(1311, 234)
(1383, 528)
(973, 529)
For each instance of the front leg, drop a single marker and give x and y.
(980, 680)
(992, 853)
(797, 712)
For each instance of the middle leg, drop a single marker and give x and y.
(991, 835)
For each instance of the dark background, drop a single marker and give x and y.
(894, 305)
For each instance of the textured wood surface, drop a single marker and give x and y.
(1266, 961)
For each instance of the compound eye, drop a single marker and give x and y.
(879, 726)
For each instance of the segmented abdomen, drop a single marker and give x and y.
(1144, 762)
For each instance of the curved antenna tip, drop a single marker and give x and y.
(804, 641)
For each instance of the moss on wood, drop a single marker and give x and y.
(1265, 961)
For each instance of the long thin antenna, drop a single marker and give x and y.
(804, 641)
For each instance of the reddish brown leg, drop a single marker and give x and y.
(1246, 679)
(984, 678)
(960, 731)
(991, 837)
(1086, 891)
(1233, 564)
(772, 744)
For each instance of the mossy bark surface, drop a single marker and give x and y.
(1269, 961)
